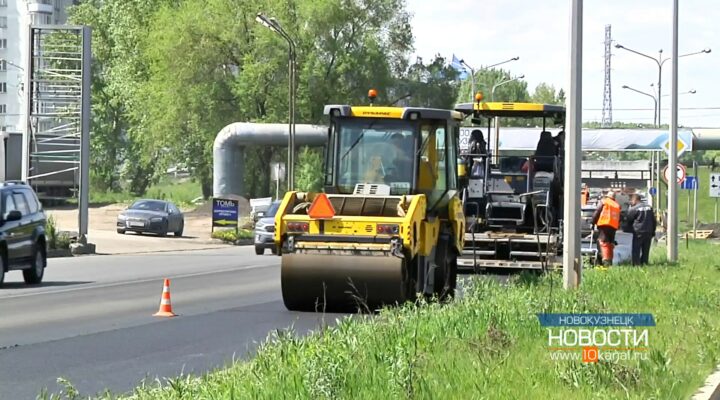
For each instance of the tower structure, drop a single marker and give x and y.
(607, 92)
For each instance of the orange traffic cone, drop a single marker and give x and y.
(165, 306)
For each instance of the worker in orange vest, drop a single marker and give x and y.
(584, 195)
(607, 220)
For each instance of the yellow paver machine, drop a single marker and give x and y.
(513, 201)
(389, 223)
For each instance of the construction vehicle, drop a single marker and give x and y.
(512, 202)
(389, 224)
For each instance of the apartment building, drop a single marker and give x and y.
(15, 16)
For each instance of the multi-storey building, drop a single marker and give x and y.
(15, 17)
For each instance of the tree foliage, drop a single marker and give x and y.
(169, 74)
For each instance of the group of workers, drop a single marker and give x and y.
(639, 220)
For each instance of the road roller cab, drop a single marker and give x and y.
(389, 223)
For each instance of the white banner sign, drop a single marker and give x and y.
(592, 139)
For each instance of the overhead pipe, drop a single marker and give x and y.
(230, 143)
(706, 139)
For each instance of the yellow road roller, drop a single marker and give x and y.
(388, 225)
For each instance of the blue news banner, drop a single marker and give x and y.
(550, 320)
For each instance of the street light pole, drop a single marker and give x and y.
(492, 92)
(472, 71)
(572, 263)
(655, 101)
(659, 61)
(672, 231)
(274, 26)
(8, 62)
(496, 144)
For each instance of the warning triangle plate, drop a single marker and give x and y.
(321, 208)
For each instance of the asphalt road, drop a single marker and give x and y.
(91, 320)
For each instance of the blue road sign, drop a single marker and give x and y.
(225, 213)
(690, 183)
(653, 191)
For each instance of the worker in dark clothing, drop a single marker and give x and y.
(641, 221)
(607, 220)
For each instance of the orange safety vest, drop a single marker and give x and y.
(610, 215)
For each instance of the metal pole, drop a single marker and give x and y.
(659, 102)
(652, 198)
(696, 183)
(658, 179)
(496, 145)
(687, 213)
(572, 263)
(25, 156)
(85, 137)
(716, 209)
(472, 80)
(672, 235)
(290, 122)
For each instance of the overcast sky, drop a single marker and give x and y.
(485, 32)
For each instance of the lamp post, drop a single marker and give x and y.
(496, 144)
(660, 61)
(655, 100)
(492, 92)
(274, 26)
(8, 62)
(472, 72)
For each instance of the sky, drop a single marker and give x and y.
(485, 32)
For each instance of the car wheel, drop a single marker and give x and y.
(274, 250)
(164, 231)
(259, 250)
(35, 274)
(179, 232)
(121, 231)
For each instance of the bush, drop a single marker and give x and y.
(231, 235)
(55, 238)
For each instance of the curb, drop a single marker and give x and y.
(711, 389)
(57, 253)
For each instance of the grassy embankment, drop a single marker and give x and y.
(182, 193)
(706, 204)
(489, 344)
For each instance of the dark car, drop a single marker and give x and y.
(151, 216)
(22, 232)
(265, 229)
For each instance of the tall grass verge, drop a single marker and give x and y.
(488, 344)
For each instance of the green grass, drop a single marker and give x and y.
(489, 345)
(706, 204)
(181, 193)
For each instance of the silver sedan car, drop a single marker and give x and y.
(151, 216)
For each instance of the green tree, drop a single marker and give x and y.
(432, 85)
(119, 70)
(309, 176)
(545, 94)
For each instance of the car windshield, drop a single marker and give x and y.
(273, 209)
(148, 205)
(376, 151)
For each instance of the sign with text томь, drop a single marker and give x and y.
(714, 185)
(225, 213)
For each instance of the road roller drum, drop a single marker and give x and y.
(322, 282)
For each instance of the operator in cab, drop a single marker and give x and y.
(401, 165)
(607, 220)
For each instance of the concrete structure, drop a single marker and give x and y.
(15, 17)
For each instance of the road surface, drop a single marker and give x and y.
(91, 320)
